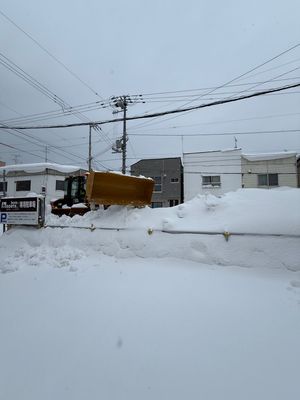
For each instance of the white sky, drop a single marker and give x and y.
(142, 47)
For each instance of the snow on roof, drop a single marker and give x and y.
(214, 151)
(269, 156)
(40, 167)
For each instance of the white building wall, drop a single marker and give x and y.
(286, 168)
(226, 164)
(43, 177)
(37, 184)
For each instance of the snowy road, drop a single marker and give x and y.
(149, 329)
(137, 314)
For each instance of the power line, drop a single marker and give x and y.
(254, 69)
(22, 151)
(52, 147)
(218, 122)
(58, 113)
(84, 108)
(146, 95)
(5, 61)
(235, 79)
(11, 66)
(236, 173)
(215, 96)
(271, 80)
(217, 134)
(163, 113)
(50, 54)
(9, 108)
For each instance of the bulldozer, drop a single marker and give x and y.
(98, 188)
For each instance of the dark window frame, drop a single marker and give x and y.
(3, 185)
(157, 184)
(173, 202)
(268, 179)
(23, 186)
(210, 180)
(156, 204)
(59, 183)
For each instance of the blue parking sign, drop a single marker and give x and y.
(3, 218)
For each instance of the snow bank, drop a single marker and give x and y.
(275, 211)
(151, 233)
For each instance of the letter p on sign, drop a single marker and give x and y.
(3, 218)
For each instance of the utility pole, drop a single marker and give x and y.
(46, 153)
(4, 192)
(90, 148)
(121, 145)
(124, 137)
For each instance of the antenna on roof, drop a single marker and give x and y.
(235, 142)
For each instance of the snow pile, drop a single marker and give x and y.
(151, 233)
(274, 211)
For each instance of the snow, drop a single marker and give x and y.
(269, 156)
(133, 311)
(243, 211)
(215, 151)
(39, 167)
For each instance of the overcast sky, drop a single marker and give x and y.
(138, 47)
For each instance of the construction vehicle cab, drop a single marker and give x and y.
(74, 190)
(74, 194)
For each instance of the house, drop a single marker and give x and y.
(269, 170)
(221, 171)
(215, 172)
(41, 178)
(168, 177)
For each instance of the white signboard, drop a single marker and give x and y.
(19, 211)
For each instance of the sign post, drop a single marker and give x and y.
(23, 210)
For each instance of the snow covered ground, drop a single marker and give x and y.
(138, 313)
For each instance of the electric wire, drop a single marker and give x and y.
(235, 79)
(50, 54)
(163, 113)
(216, 134)
(5, 61)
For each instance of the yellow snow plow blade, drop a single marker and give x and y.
(112, 188)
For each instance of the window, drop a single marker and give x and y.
(273, 179)
(59, 185)
(156, 204)
(3, 186)
(157, 184)
(23, 186)
(267, 179)
(173, 202)
(211, 181)
(174, 180)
